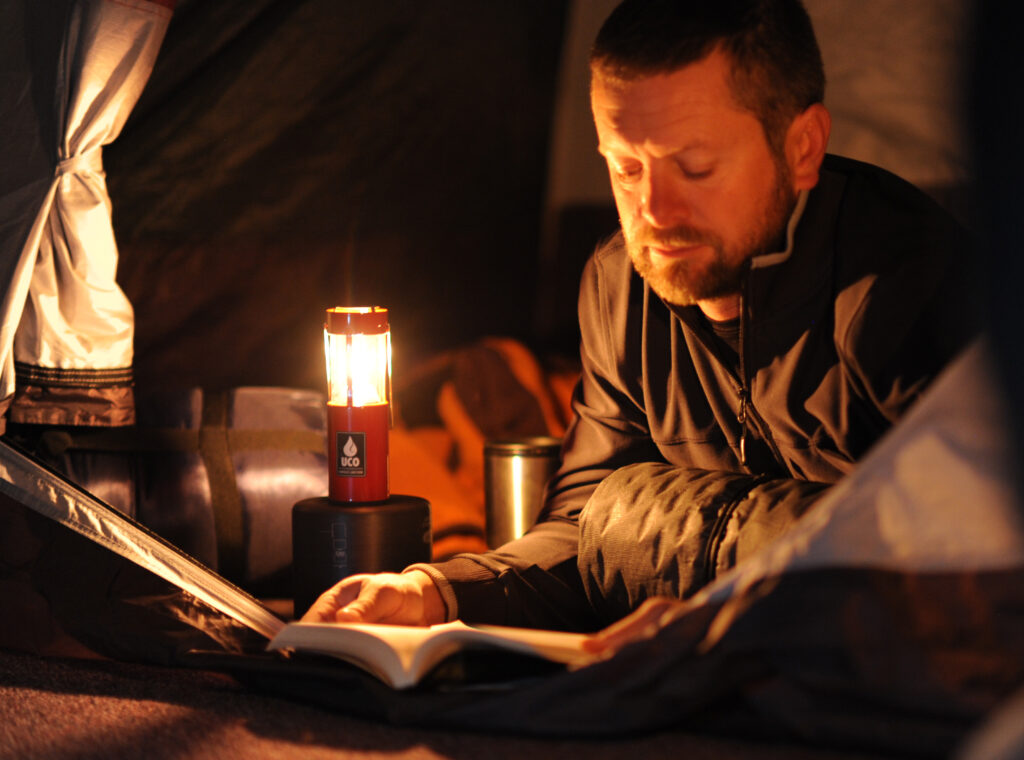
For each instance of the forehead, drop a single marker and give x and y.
(695, 100)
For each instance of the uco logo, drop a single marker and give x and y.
(352, 454)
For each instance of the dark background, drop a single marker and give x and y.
(291, 155)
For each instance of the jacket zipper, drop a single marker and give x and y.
(747, 409)
(743, 367)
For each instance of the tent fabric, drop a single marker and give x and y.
(67, 593)
(24, 482)
(79, 578)
(292, 155)
(67, 325)
(1001, 737)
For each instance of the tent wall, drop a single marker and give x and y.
(288, 156)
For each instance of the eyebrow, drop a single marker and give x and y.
(700, 144)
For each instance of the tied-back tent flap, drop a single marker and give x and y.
(889, 619)
(67, 326)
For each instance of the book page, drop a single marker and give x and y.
(557, 646)
(386, 651)
(401, 655)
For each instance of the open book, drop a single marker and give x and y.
(401, 655)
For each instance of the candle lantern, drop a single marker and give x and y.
(357, 342)
(359, 527)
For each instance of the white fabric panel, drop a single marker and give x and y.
(1001, 736)
(895, 89)
(17, 257)
(75, 315)
(576, 172)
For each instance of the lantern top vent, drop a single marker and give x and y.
(353, 320)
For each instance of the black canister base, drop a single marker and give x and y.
(332, 540)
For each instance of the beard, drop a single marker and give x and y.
(685, 282)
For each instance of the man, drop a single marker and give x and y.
(765, 315)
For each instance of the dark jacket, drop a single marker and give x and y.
(839, 336)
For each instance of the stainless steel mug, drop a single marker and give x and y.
(516, 471)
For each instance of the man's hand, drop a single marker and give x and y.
(643, 623)
(396, 598)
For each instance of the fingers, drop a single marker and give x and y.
(643, 623)
(324, 609)
(382, 599)
(392, 598)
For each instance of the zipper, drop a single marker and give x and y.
(747, 409)
(744, 393)
(743, 422)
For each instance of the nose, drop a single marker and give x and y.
(663, 199)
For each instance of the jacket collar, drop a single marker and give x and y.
(770, 259)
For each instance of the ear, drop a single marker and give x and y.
(806, 141)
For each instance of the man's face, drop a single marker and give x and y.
(697, 187)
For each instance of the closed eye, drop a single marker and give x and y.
(696, 174)
(627, 173)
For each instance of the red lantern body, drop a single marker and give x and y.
(358, 452)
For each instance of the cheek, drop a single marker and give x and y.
(733, 209)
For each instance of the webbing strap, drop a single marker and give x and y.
(277, 440)
(119, 440)
(141, 439)
(224, 495)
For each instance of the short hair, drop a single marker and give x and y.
(777, 70)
